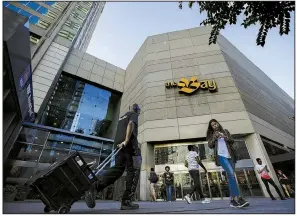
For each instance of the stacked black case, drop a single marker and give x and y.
(63, 183)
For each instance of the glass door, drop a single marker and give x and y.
(242, 182)
(223, 180)
(186, 183)
(178, 186)
(252, 180)
(214, 185)
(204, 184)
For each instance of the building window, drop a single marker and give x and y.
(34, 20)
(81, 9)
(43, 24)
(77, 17)
(72, 25)
(66, 34)
(33, 5)
(177, 154)
(81, 107)
(34, 38)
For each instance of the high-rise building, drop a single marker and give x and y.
(55, 27)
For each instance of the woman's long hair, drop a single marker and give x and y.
(210, 131)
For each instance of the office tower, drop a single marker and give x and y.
(55, 28)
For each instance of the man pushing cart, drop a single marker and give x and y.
(127, 157)
(65, 181)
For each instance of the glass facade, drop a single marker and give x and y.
(177, 154)
(214, 183)
(75, 21)
(81, 107)
(37, 147)
(36, 7)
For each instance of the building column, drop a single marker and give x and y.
(148, 161)
(256, 150)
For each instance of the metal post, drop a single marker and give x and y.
(41, 152)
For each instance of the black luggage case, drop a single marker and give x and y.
(63, 183)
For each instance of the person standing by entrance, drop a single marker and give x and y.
(221, 141)
(128, 158)
(284, 181)
(192, 162)
(168, 179)
(153, 184)
(263, 171)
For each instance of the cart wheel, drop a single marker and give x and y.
(63, 210)
(47, 209)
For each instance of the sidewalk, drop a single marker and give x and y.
(257, 206)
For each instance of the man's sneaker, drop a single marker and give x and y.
(205, 201)
(128, 205)
(188, 199)
(234, 203)
(90, 196)
(242, 202)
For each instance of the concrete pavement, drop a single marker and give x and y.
(257, 206)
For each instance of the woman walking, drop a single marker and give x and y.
(221, 141)
(284, 181)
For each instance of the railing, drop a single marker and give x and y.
(38, 146)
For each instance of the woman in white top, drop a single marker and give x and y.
(192, 162)
(222, 142)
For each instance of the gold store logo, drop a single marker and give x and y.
(192, 85)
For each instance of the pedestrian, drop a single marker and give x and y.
(222, 142)
(192, 162)
(153, 184)
(284, 181)
(265, 177)
(168, 179)
(128, 158)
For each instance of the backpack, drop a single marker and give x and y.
(154, 178)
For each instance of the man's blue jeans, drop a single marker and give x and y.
(229, 167)
(169, 192)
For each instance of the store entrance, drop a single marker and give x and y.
(214, 184)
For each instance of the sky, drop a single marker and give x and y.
(124, 26)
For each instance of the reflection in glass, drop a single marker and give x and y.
(26, 152)
(224, 183)
(50, 156)
(186, 183)
(30, 135)
(253, 181)
(204, 184)
(178, 186)
(214, 184)
(80, 107)
(242, 183)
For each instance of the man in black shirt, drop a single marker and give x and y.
(128, 158)
(169, 182)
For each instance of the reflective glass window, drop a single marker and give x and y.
(50, 3)
(14, 8)
(34, 19)
(33, 5)
(25, 13)
(81, 108)
(5, 4)
(24, 2)
(42, 10)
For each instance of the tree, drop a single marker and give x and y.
(268, 14)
